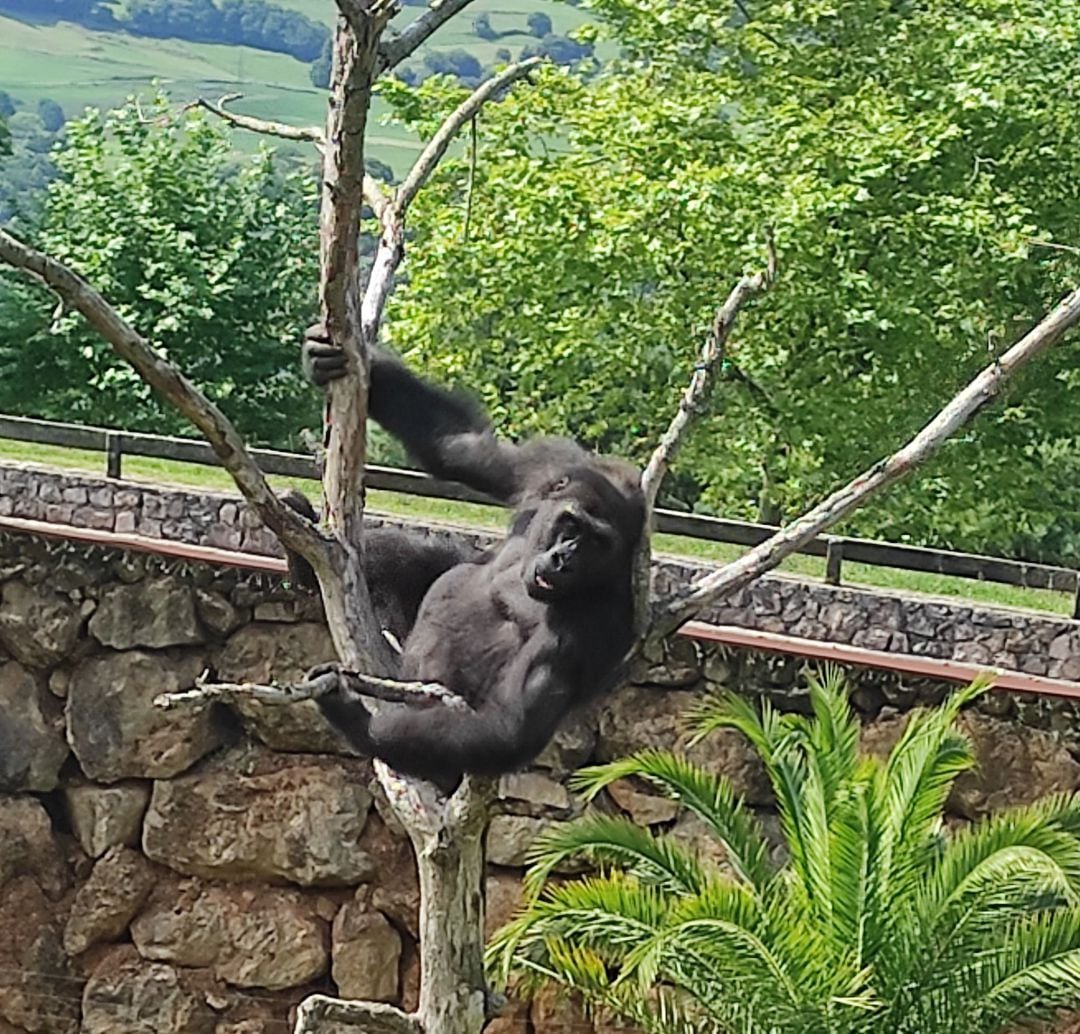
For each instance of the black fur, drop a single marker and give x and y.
(524, 633)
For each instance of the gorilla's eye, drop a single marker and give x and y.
(560, 484)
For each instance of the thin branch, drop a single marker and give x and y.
(390, 691)
(374, 195)
(983, 389)
(295, 531)
(700, 386)
(309, 134)
(416, 33)
(1053, 245)
(474, 147)
(316, 1012)
(391, 248)
(437, 145)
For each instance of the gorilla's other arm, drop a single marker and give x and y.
(446, 433)
(439, 743)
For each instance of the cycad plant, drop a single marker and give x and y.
(880, 920)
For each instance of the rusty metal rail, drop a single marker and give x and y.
(945, 670)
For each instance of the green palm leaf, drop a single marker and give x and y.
(603, 839)
(712, 798)
(883, 921)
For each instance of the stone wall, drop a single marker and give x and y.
(190, 873)
(1020, 640)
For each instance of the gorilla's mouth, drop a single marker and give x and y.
(539, 587)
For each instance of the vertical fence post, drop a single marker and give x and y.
(1076, 600)
(114, 454)
(834, 557)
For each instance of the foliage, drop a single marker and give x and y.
(539, 24)
(25, 171)
(880, 920)
(907, 156)
(51, 115)
(252, 23)
(215, 264)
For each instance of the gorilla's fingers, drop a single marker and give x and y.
(322, 669)
(323, 363)
(316, 332)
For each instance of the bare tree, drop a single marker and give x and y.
(446, 832)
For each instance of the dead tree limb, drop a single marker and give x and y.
(691, 405)
(700, 387)
(391, 248)
(417, 33)
(375, 687)
(308, 134)
(465, 112)
(76, 294)
(680, 607)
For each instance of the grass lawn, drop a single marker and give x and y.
(395, 503)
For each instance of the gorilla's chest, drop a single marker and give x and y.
(471, 625)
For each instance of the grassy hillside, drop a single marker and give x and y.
(78, 67)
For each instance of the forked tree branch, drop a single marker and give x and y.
(416, 33)
(701, 383)
(373, 192)
(295, 531)
(464, 113)
(680, 607)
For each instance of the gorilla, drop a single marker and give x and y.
(523, 632)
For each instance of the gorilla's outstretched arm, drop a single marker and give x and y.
(446, 433)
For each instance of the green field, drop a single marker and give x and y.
(397, 504)
(78, 67)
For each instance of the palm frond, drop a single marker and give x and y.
(979, 854)
(609, 915)
(780, 741)
(1035, 971)
(656, 860)
(712, 798)
(920, 772)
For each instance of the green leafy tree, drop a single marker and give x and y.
(881, 920)
(212, 259)
(908, 158)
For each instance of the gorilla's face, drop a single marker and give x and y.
(580, 537)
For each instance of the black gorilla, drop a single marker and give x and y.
(525, 631)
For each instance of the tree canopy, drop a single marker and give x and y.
(212, 258)
(919, 171)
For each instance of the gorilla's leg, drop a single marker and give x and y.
(400, 565)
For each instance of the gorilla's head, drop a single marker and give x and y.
(585, 526)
